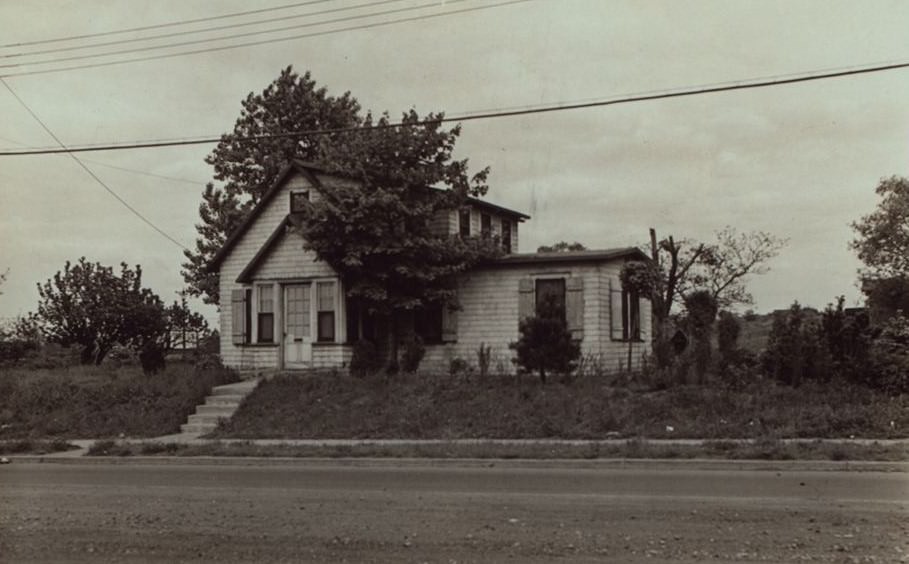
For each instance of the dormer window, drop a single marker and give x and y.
(299, 200)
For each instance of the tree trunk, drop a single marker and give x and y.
(391, 362)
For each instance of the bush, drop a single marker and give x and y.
(413, 354)
(458, 366)
(365, 359)
(795, 349)
(151, 357)
(891, 356)
(545, 343)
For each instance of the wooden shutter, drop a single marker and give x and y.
(449, 324)
(616, 332)
(238, 316)
(574, 306)
(525, 299)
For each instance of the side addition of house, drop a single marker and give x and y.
(282, 308)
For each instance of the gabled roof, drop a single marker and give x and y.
(627, 253)
(283, 176)
(307, 169)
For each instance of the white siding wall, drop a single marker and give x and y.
(287, 260)
(489, 315)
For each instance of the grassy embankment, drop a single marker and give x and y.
(102, 401)
(424, 407)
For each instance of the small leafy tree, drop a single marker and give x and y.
(702, 308)
(90, 306)
(545, 343)
(890, 354)
(795, 348)
(882, 237)
(727, 333)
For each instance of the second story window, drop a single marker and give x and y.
(506, 236)
(485, 225)
(464, 222)
(299, 199)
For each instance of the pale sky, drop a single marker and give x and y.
(799, 161)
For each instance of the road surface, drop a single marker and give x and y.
(500, 512)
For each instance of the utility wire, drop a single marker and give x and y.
(193, 31)
(268, 41)
(235, 35)
(163, 25)
(89, 171)
(125, 169)
(492, 114)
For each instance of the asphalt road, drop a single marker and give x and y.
(308, 512)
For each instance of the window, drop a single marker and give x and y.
(485, 225)
(464, 222)
(427, 323)
(266, 314)
(326, 311)
(299, 199)
(506, 236)
(631, 316)
(550, 297)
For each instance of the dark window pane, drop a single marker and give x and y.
(428, 324)
(299, 201)
(554, 290)
(326, 326)
(464, 222)
(485, 225)
(248, 316)
(266, 327)
(506, 236)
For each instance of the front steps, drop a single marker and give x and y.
(220, 404)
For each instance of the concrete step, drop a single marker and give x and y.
(205, 419)
(224, 399)
(196, 428)
(219, 410)
(241, 388)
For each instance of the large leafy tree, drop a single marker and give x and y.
(377, 232)
(292, 103)
(882, 237)
(91, 306)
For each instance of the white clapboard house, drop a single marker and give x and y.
(283, 309)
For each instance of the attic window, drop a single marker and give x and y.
(299, 199)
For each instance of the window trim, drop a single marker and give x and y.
(333, 311)
(261, 315)
(294, 194)
(464, 222)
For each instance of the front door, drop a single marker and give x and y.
(297, 331)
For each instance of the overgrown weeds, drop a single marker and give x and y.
(103, 401)
(415, 407)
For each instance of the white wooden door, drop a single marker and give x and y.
(297, 326)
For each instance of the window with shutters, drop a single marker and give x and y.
(464, 222)
(266, 314)
(325, 316)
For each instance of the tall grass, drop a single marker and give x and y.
(337, 406)
(102, 401)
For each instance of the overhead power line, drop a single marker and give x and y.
(126, 169)
(236, 35)
(371, 25)
(89, 171)
(163, 25)
(492, 114)
(283, 18)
